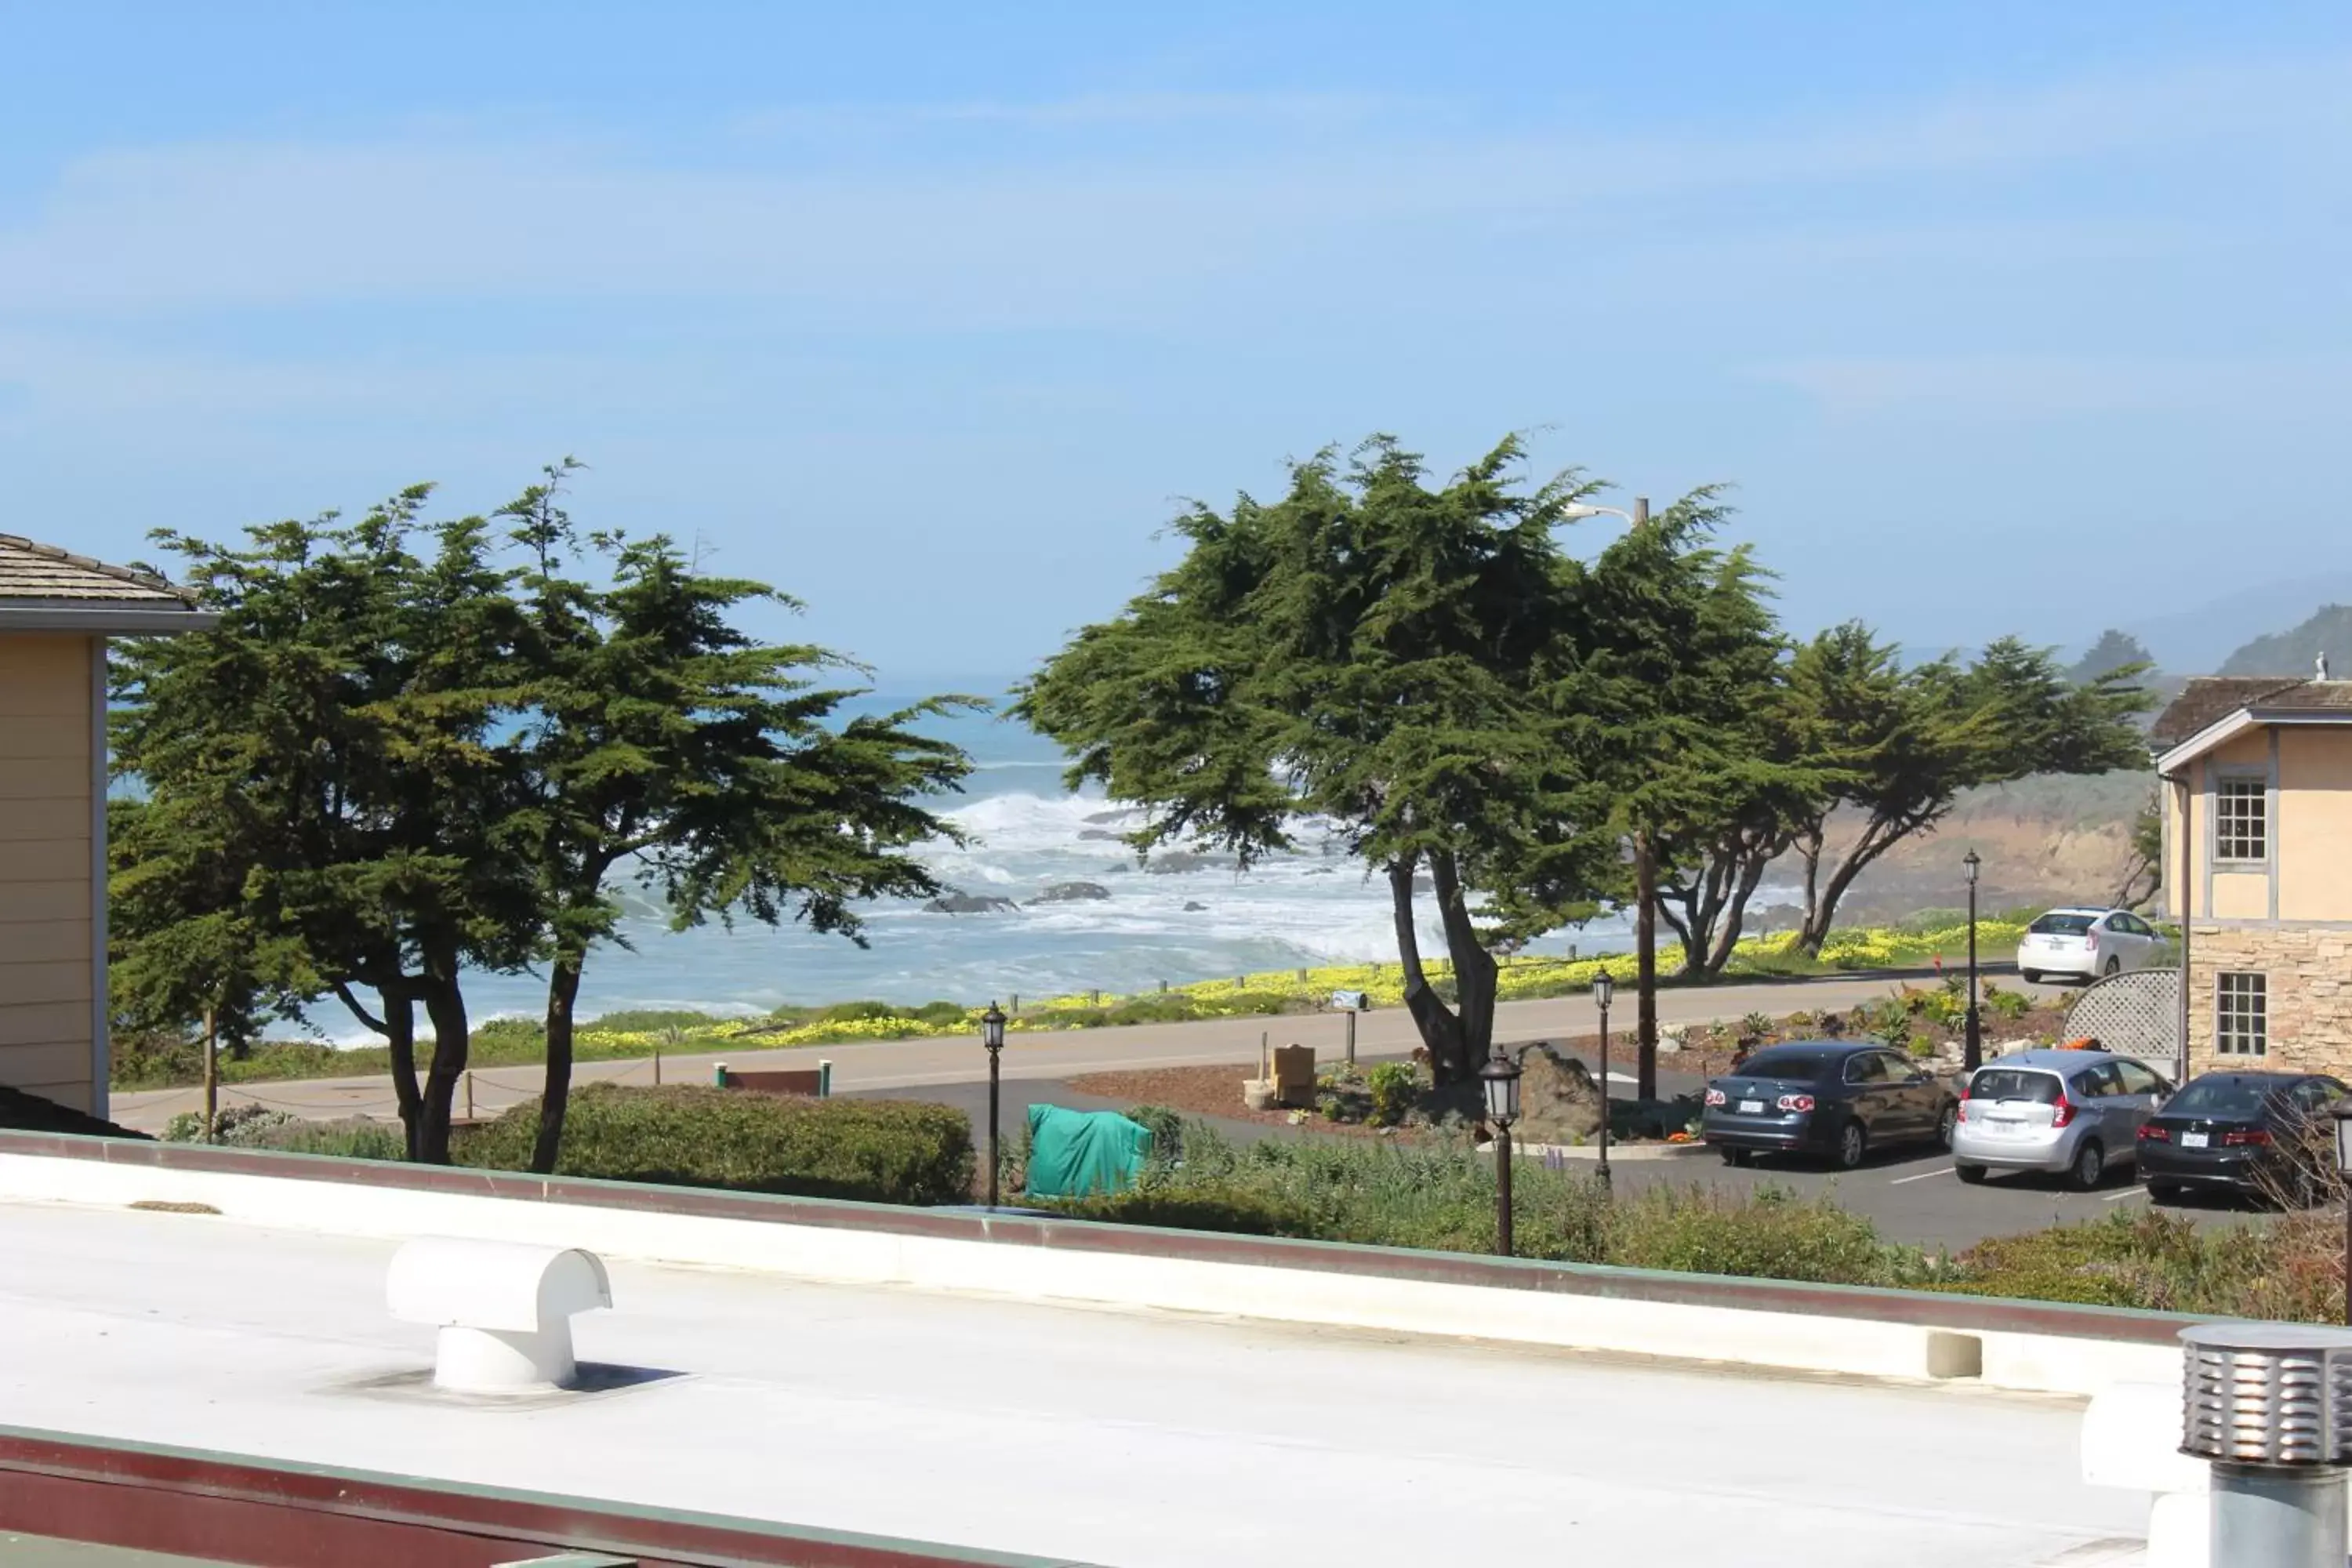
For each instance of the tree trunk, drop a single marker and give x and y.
(562, 990)
(1646, 966)
(1441, 1031)
(212, 1075)
(1474, 975)
(1821, 908)
(398, 1027)
(445, 1003)
(1735, 914)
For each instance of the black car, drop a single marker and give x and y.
(1831, 1098)
(2258, 1132)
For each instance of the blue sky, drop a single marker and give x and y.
(2000, 316)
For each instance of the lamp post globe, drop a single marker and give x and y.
(1499, 1080)
(991, 1034)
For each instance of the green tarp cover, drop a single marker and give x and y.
(1076, 1153)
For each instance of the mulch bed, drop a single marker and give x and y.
(1205, 1091)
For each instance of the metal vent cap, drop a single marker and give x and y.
(2267, 1393)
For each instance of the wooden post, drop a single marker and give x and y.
(1016, 1003)
(1264, 1062)
(657, 1066)
(212, 1075)
(469, 1094)
(1352, 1037)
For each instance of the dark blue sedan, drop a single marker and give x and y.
(1833, 1099)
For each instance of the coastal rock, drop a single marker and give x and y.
(1177, 861)
(1192, 909)
(1121, 815)
(956, 902)
(1098, 835)
(1071, 893)
(1558, 1100)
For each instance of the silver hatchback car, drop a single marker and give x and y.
(2077, 1112)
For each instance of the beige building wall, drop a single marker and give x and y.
(2315, 822)
(48, 930)
(2308, 974)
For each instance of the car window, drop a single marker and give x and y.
(2313, 1094)
(1867, 1068)
(1801, 1064)
(2014, 1083)
(2098, 1082)
(2224, 1097)
(2138, 1078)
(1899, 1069)
(2061, 925)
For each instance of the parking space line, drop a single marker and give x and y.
(2127, 1193)
(1922, 1177)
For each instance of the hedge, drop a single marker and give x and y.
(876, 1151)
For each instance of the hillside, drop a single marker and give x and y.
(2290, 653)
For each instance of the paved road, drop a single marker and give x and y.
(1138, 1439)
(922, 1064)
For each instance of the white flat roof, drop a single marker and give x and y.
(1129, 1440)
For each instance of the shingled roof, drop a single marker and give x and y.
(32, 571)
(2209, 698)
(44, 588)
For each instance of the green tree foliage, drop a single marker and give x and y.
(2115, 651)
(315, 779)
(1904, 741)
(1401, 661)
(656, 741)
(389, 766)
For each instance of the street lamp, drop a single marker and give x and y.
(1577, 510)
(1603, 988)
(991, 1034)
(2342, 1111)
(1972, 1054)
(1500, 1081)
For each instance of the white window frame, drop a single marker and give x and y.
(2242, 1013)
(2231, 836)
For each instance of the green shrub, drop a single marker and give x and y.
(853, 1012)
(880, 1150)
(939, 1013)
(2009, 1004)
(1220, 1205)
(1770, 1236)
(1166, 1126)
(358, 1138)
(1395, 1087)
(2290, 1268)
(1756, 1025)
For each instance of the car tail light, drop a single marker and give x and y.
(2062, 1113)
(1796, 1103)
(2155, 1135)
(2244, 1136)
(1714, 1097)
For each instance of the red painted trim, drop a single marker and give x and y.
(1963, 1313)
(249, 1511)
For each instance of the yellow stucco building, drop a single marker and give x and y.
(57, 612)
(2258, 864)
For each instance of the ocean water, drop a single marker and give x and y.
(1027, 832)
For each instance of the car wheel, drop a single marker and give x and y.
(2090, 1166)
(1946, 1124)
(1972, 1174)
(2030, 976)
(1738, 1156)
(2166, 1192)
(2114, 966)
(1852, 1144)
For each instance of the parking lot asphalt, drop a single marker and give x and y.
(1909, 1194)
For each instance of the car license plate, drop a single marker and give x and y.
(2194, 1139)
(1751, 1108)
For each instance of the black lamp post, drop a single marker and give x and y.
(1972, 1052)
(1500, 1081)
(991, 1034)
(1603, 988)
(2342, 1109)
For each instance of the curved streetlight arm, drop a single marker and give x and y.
(1577, 510)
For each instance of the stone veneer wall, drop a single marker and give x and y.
(2310, 994)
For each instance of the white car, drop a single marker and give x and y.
(2087, 944)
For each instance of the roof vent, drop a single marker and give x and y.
(504, 1310)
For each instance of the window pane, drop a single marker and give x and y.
(2241, 819)
(2241, 1014)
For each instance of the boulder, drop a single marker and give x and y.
(1558, 1100)
(956, 902)
(1072, 893)
(1178, 860)
(1193, 909)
